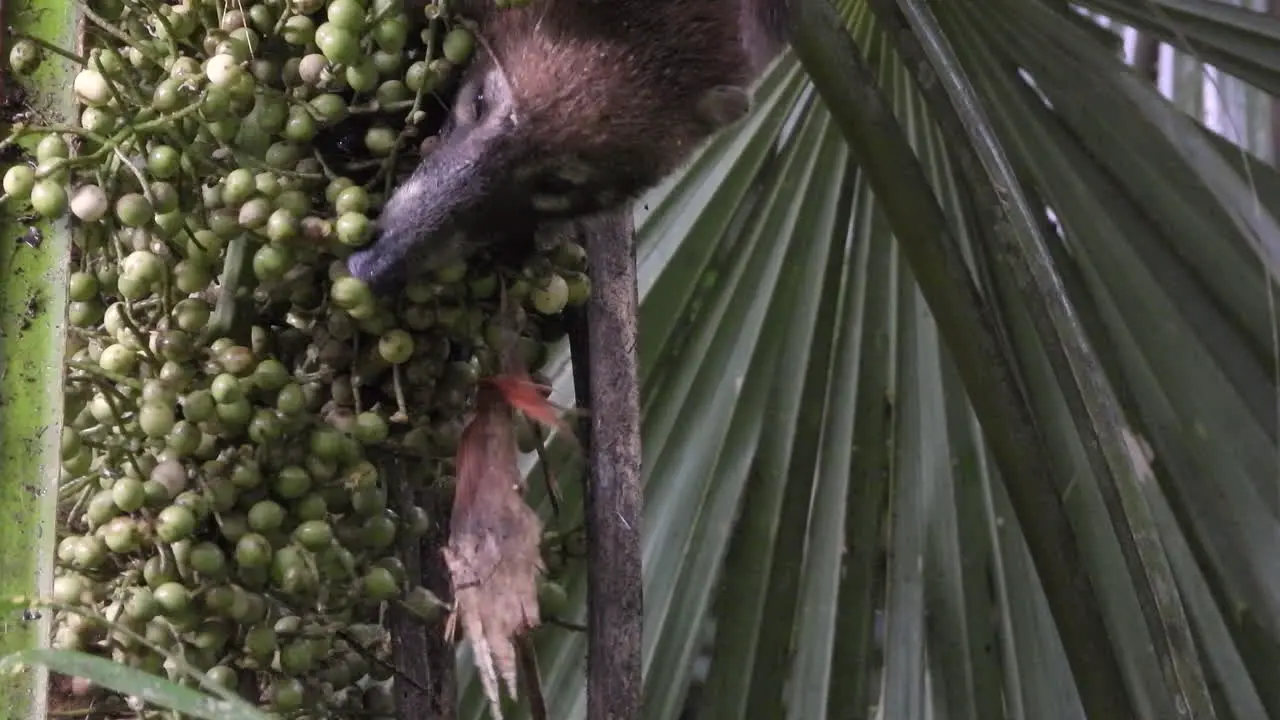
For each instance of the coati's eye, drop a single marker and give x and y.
(470, 104)
(552, 184)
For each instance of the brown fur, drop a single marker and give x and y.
(583, 85)
(586, 105)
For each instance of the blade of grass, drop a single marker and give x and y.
(129, 681)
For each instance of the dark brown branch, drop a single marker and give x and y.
(421, 652)
(605, 376)
(532, 678)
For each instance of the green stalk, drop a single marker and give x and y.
(32, 307)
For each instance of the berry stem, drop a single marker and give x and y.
(126, 316)
(387, 173)
(95, 369)
(114, 31)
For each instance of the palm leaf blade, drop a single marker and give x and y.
(767, 506)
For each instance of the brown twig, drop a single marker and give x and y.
(420, 650)
(548, 478)
(603, 344)
(566, 624)
(532, 678)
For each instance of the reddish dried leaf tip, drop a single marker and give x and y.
(528, 397)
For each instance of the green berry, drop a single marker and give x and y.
(390, 34)
(253, 551)
(338, 43)
(50, 147)
(173, 598)
(134, 210)
(458, 44)
(349, 293)
(163, 162)
(396, 346)
(19, 181)
(82, 287)
(551, 300)
(266, 516)
(226, 388)
(24, 56)
(362, 76)
(299, 30)
(314, 534)
(48, 198)
(156, 420)
(270, 262)
(347, 14)
(127, 494)
(354, 229)
(371, 428)
(379, 584)
(300, 127)
(175, 523)
(380, 140)
(353, 199)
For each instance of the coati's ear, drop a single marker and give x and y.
(723, 105)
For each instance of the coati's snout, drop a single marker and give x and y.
(460, 192)
(559, 119)
(487, 179)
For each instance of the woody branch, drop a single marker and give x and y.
(603, 342)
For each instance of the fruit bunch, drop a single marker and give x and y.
(229, 387)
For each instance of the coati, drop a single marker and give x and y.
(571, 107)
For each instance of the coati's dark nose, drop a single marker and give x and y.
(383, 272)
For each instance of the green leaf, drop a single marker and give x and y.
(828, 532)
(129, 681)
(1241, 41)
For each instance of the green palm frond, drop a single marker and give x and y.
(813, 459)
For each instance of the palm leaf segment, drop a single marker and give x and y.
(827, 533)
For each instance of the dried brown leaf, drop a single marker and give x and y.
(493, 552)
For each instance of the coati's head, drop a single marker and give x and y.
(571, 107)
